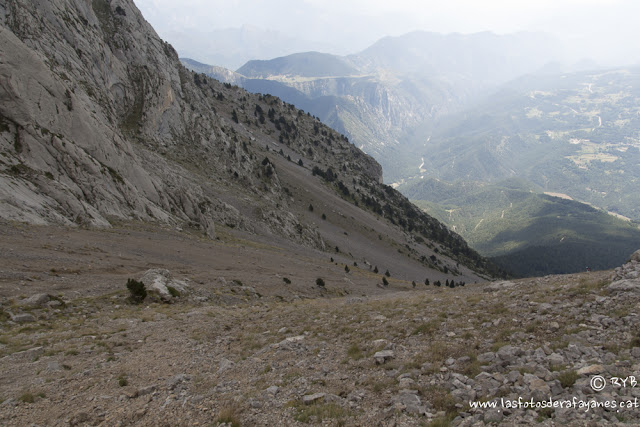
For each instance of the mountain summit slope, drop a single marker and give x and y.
(100, 122)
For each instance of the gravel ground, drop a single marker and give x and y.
(236, 344)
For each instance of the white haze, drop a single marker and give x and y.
(602, 30)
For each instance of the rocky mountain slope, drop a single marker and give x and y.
(100, 122)
(373, 108)
(235, 347)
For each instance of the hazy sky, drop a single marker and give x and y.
(607, 28)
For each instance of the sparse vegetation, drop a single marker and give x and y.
(319, 412)
(122, 381)
(27, 398)
(355, 352)
(568, 378)
(229, 416)
(137, 291)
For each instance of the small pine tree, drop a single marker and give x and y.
(346, 269)
(413, 284)
(320, 282)
(375, 270)
(137, 290)
(324, 216)
(234, 116)
(426, 282)
(310, 208)
(300, 163)
(385, 282)
(386, 273)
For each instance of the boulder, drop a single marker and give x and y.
(539, 389)
(555, 359)
(23, 318)
(37, 300)
(625, 286)
(499, 286)
(509, 353)
(312, 398)
(273, 390)
(383, 356)
(158, 281)
(591, 370)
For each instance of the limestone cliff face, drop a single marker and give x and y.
(78, 85)
(99, 119)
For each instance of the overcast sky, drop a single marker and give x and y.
(607, 28)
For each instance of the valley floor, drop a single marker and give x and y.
(241, 346)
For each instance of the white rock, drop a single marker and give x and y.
(23, 318)
(312, 398)
(383, 356)
(158, 280)
(591, 370)
(37, 300)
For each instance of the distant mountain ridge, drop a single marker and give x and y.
(485, 57)
(307, 64)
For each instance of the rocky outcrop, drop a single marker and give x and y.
(627, 277)
(160, 282)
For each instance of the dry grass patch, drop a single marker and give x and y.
(355, 352)
(319, 413)
(428, 328)
(441, 399)
(568, 378)
(228, 415)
